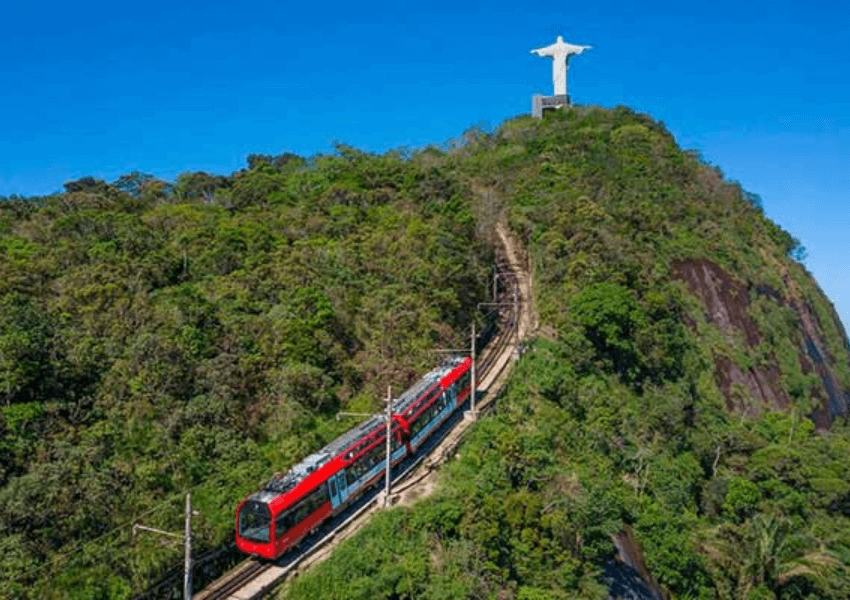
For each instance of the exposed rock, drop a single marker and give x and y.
(762, 383)
(726, 300)
(727, 303)
(835, 402)
(628, 576)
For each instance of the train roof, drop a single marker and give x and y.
(404, 401)
(281, 484)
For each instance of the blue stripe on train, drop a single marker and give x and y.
(435, 422)
(345, 491)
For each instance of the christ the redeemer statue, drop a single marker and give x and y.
(560, 52)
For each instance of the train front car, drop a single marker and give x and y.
(271, 521)
(291, 505)
(254, 527)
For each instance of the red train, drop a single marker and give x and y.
(272, 520)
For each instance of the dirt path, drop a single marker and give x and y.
(528, 315)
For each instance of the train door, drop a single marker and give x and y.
(336, 487)
(452, 393)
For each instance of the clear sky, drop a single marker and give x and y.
(761, 88)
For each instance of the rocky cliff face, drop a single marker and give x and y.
(728, 302)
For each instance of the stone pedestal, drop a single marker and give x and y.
(541, 104)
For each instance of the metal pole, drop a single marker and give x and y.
(495, 275)
(187, 575)
(472, 385)
(187, 540)
(389, 444)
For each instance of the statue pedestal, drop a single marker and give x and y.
(541, 104)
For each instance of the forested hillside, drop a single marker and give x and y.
(159, 338)
(677, 427)
(682, 405)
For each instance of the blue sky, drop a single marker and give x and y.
(760, 88)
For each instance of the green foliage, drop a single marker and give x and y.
(742, 498)
(158, 338)
(670, 550)
(610, 315)
(198, 186)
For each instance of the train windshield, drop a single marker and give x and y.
(254, 521)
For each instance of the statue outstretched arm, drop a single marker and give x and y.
(547, 51)
(579, 49)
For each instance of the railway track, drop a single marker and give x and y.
(237, 579)
(253, 579)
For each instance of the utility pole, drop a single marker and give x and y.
(187, 539)
(389, 444)
(472, 384)
(187, 566)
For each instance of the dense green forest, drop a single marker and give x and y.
(157, 338)
(685, 391)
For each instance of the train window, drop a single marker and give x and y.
(315, 500)
(287, 520)
(333, 487)
(299, 513)
(419, 424)
(283, 523)
(374, 457)
(364, 464)
(255, 521)
(321, 496)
